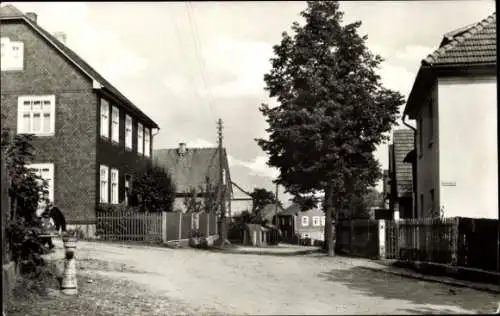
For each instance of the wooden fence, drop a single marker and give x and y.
(427, 239)
(358, 238)
(153, 227)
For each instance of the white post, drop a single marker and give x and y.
(69, 284)
(164, 227)
(180, 225)
(381, 238)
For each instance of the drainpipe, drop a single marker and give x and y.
(414, 199)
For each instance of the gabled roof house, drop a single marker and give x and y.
(454, 102)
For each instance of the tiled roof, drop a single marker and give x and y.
(269, 211)
(403, 143)
(191, 169)
(11, 12)
(475, 43)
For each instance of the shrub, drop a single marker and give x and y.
(25, 190)
(153, 190)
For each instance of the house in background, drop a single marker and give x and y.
(88, 136)
(241, 201)
(454, 103)
(400, 174)
(296, 225)
(195, 168)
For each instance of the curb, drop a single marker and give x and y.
(457, 283)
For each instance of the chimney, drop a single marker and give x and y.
(32, 16)
(61, 37)
(182, 148)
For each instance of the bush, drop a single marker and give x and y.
(25, 246)
(153, 190)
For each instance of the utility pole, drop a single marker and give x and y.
(222, 191)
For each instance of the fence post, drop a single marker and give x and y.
(180, 225)
(164, 227)
(382, 225)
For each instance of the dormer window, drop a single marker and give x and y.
(12, 54)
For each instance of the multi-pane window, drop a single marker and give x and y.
(104, 118)
(115, 124)
(305, 220)
(104, 184)
(127, 188)
(322, 220)
(128, 132)
(12, 54)
(114, 186)
(140, 138)
(316, 220)
(147, 142)
(46, 172)
(36, 114)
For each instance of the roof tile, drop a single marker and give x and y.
(403, 141)
(475, 43)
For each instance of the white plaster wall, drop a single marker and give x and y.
(468, 147)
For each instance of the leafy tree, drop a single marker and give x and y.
(260, 198)
(207, 204)
(153, 190)
(25, 188)
(333, 110)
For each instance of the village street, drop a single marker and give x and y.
(201, 281)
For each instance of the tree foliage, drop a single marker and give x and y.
(153, 190)
(260, 198)
(25, 188)
(333, 109)
(202, 199)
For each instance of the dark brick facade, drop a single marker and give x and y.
(76, 149)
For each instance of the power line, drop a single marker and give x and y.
(199, 56)
(184, 58)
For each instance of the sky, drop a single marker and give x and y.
(188, 64)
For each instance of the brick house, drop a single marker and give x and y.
(296, 225)
(400, 174)
(454, 103)
(88, 136)
(194, 168)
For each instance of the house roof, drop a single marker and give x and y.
(191, 169)
(469, 49)
(474, 43)
(294, 209)
(10, 12)
(403, 140)
(269, 211)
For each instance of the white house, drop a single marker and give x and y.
(454, 103)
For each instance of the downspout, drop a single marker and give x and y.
(414, 200)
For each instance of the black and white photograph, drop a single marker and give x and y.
(249, 158)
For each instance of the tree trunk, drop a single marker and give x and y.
(329, 233)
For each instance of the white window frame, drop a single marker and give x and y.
(37, 168)
(305, 220)
(115, 182)
(140, 138)
(323, 220)
(51, 111)
(104, 184)
(128, 131)
(316, 221)
(9, 62)
(147, 142)
(127, 188)
(104, 118)
(115, 124)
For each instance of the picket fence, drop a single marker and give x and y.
(154, 227)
